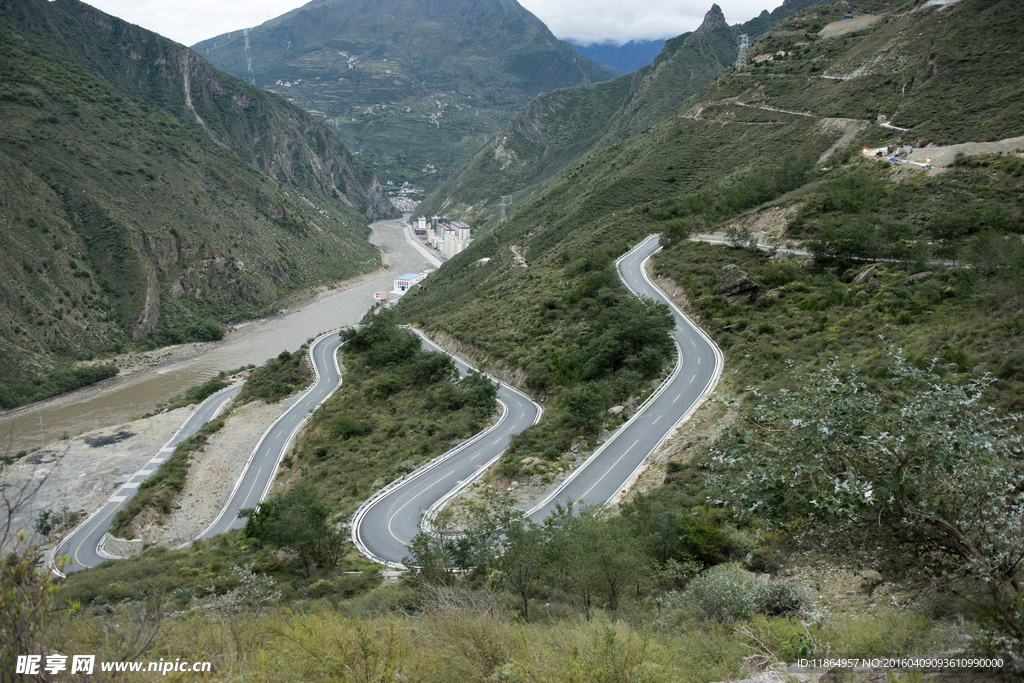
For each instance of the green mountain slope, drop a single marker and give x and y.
(147, 198)
(733, 152)
(416, 84)
(560, 128)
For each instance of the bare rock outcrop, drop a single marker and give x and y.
(737, 286)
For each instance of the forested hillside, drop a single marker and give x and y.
(148, 198)
(560, 129)
(415, 86)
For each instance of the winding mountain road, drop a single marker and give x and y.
(610, 469)
(384, 526)
(253, 486)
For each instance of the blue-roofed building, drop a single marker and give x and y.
(403, 283)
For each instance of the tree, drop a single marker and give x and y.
(297, 520)
(511, 544)
(917, 474)
(567, 554)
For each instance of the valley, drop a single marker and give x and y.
(761, 386)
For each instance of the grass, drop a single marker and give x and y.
(448, 638)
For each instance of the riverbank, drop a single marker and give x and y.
(150, 378)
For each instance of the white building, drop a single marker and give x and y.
(403, 283)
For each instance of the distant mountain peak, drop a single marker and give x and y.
(713, 20)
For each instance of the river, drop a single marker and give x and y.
(254, 342)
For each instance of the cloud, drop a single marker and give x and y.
(618, 21)
(584, 21)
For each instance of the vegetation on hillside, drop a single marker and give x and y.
(132, 220)
(407, 84)
(278, 378)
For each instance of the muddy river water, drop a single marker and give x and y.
(254, 342)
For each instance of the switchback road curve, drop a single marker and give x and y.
(383, 527)
(81, 545)
(253, 486)
(610, 469)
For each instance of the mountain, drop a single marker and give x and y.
(562, 127)
(775, 146)
(416, 84)
(147, 198)
(625, 58)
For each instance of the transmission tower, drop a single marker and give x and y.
(741, 58)
(248, 59)
(501, 214)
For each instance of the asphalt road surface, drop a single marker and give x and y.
(254, 484)
(384, 526)
(699, 364)
(81, 545)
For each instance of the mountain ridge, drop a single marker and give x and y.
(415, 84)
(150, 198)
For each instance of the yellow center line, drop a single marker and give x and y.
(698, 360)
(411, 500)
(496, 441)
(254, 480)
(95, 526)
(694, 345)
(693, 378)
(676, 398)
(476, 456)
(656, 420)
(522, 415)
(606, 473)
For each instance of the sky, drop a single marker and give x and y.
(582, 21)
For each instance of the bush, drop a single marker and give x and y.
(728, 592)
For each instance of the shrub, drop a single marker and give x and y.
(728, 592)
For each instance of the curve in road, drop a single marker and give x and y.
(253, 485)
(82, 544)
(384, 525)
(606, 473)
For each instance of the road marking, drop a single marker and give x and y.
(519, 404)
(411, 500)
(698, 360)
(132, 485)
(246, 500)
(676, 398)
(693, 378)
(476, 456)
(522, 415)
(606, 473)
(149, 471)
(694, 345)
(656, 420)
(156, 461)
(86, 534)
(496, 441)
(118, 499)
(167, 449)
